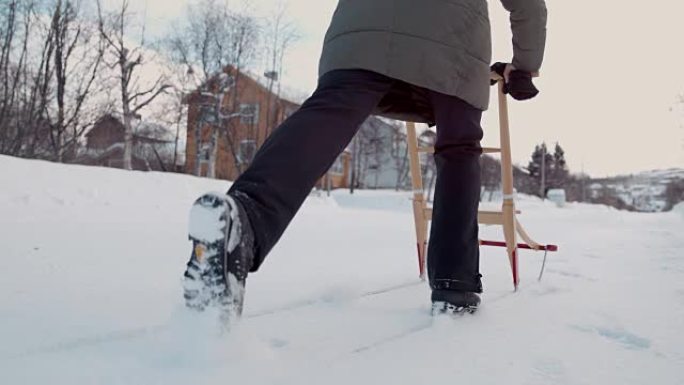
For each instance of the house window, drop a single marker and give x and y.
(205, 153)
(249, 113)
(337, 167)
(246, 151)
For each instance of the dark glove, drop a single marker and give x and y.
(519, 84)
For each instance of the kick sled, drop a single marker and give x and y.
(507, 217)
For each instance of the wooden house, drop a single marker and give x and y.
(229, 118)
(105, 146)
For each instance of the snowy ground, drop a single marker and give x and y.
(90, 293)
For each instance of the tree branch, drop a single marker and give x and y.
(149, 100)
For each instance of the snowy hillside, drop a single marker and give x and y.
(90, 293)
(644, 191)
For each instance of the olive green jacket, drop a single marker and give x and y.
(440, 45)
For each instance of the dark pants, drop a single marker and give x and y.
(305, 146)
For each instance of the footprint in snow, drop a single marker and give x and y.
(549, 290)
(570, 274)
(24, 199)
(277, 343)
(548, 371)
(59, 201)
(625, 338)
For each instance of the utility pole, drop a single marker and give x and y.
(584, 187)
(355, 148)
(272, 77)
(328, 182)
(543, 173)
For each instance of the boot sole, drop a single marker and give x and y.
(206, 280)
(440, 308)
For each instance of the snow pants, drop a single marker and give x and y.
(301, 150)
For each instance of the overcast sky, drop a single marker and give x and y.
(609, 85)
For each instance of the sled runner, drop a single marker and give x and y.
(507, 217)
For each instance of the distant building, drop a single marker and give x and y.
(643, 192)
(380, 154)
(105, 146)
(239, 112)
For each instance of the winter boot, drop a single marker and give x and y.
(454, 302)
(222, 254)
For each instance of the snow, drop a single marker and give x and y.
(205, 223)
(90, 293)
(679, 209)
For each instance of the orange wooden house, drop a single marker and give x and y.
(239, 113)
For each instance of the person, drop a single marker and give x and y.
(422, 61)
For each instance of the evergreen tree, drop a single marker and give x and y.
(559, 158)
(534, 168)
(558, 175)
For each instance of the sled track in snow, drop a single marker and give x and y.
(135, 333)
(84, 342)
(312, 302)
(419, 328)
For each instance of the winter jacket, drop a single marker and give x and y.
(441, 45)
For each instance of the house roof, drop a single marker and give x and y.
(286, 95)
(143, 131)
(107, 117)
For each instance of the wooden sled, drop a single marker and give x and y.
(507, 217)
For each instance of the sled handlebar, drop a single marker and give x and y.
(496, 77)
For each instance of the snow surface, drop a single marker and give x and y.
(90, 293)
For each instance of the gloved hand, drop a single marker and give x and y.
(517, 83)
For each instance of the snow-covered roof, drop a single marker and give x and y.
(294, 95)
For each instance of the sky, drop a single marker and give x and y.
(610, 84)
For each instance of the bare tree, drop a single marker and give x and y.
(175, 111)
(360, 158)
(11, 63)
(214, 44)
(243, 37)
(400, 156)
(78, 53)
(114, 29)
(25, 75)
(194, 43)
(427, 163)
(192, 46)
(281, 34)
(49, 58)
